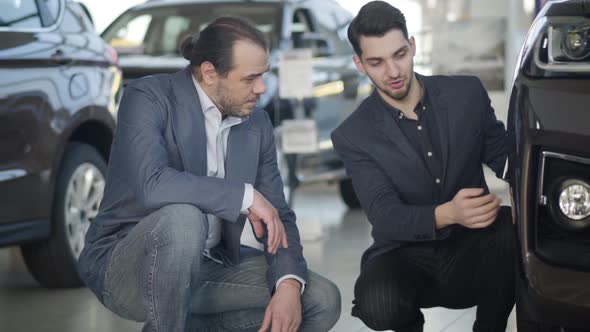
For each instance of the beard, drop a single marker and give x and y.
(400, 95)
(226, 106)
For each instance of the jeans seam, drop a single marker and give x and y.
(151, 278)
(115, 258)
(231, 284)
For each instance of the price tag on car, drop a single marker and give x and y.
(299, 136)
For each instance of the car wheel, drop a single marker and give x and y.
(348, 195)
(78, 192)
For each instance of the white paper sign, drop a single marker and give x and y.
(295, 74)
(299, 136)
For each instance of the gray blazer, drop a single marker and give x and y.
(159, 157)
(390, 179)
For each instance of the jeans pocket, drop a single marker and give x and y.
(110, 303)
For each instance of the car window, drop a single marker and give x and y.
(160, 31)
(72, 23)
(129, 37)
(53, 7)
(19, 14)
(322, 28)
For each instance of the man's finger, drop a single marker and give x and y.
(285, 243)
(480, 201)
(258, 228)
(276, 325)
(266, 321)
(271, 235)
(483, 219)
(470, 192)
(493, 205)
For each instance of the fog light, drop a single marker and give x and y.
(574, 200)
(569, 203)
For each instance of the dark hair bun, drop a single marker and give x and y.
(186, 47)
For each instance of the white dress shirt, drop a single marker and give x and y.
(217, 132)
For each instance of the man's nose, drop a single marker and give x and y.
(392, 69)
(259, 86)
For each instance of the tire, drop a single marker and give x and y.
(78, 192)
(348, 195)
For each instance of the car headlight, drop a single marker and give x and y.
(565, 46)
(574, 200)
(570, 43)
(570, 203)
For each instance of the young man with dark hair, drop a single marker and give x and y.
(414, 150)
(190, 161)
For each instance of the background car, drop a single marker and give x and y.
(147, 38)
(549, 132)
(58, 82)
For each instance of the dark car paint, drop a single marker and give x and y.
(56, 86)
(549, 113)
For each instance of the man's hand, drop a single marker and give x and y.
(261, 212)
(283, 313)
(469, 208)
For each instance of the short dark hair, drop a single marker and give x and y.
(215, 43)
(375, 19)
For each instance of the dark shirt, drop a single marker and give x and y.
(422, 133)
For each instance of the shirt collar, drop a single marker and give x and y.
(398, 114)
(208, 106)
(206, 102)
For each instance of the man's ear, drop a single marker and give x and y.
(413, 45)
(359, 64)
(208, 73)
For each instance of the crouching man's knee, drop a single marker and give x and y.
(321, 304)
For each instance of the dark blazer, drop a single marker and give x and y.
(394, 187)
(159, 157)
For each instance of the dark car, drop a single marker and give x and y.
(549, 131)
(148, 37)
(58, 82)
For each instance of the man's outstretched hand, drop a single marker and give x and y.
(262, 212)
(469, 208)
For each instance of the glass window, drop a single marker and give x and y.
(159, 31)
(53, 7)
(19, 14)
(175, 30)
(129, 37)
(71, 22)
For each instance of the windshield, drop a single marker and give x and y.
(160, 31)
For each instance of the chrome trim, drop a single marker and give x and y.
(52, 27)
(542, 199)
(12, 174)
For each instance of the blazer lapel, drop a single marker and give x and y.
(441, 112)
(189, 124)
(386, 124)
(241, 165)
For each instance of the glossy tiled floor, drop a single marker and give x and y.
(333, 238)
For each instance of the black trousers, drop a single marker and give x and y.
(470, 268)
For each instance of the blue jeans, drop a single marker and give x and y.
(158, 275)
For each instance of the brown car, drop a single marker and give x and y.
(58, 87)
(549, 131)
